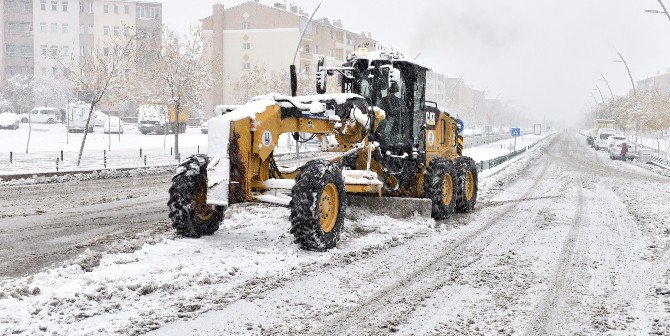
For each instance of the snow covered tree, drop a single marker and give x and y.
(19, 90)
(179, 76)
(102, 75)
(261, 80)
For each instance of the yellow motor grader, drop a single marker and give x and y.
(389, 143)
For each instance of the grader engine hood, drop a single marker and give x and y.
(220, 135)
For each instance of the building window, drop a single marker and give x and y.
(246, 66)
(66, 51)
(142, 12)
(246, 46)
(43, 27)
(116, 9)
(54, 27)
(245, 25)
(126, 9)
(90, 29)
(54, 6)
(82, 51)
(90, 7)
(105, 30)
(306, 49)
(65, 3)
(116, 31)
(105, 51)
(43, 4)
(54, 50)
(106, 9)
(81, 6)
(153, 12)
(43, 49)
(66, 28)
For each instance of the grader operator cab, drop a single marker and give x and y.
(390, 142)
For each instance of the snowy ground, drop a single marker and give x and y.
(557, 245)
(500, 148)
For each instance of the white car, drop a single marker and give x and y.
(100, 118)
(615, 150)
(113, 125)
(9, 120)
(611, 141)
(43, 115)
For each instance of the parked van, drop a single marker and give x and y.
(43, 115)
(600, 141)
(76, 116)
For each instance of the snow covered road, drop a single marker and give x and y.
(563, 241)
(46, 223)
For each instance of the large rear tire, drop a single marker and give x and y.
(189, 212)
(318, 206)
(467, 184)
(441, 187)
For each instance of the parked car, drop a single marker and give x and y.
(113, 125)
(615, 150)
(612, 140)
(43, 115)
(204, 128)
(9, 120)
(100, 118)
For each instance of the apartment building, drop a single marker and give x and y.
(660, 82)
(16, 22)
(31, 30)
(253, 34)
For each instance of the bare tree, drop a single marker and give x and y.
(180, 75)
(102, 75)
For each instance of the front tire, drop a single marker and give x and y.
(441, 186)
(189, 212)
(318, 205)
(468, 184)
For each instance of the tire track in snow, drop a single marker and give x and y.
(560, 287)
(415, 285)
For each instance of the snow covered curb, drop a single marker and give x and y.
(139, 285)
(86, 176)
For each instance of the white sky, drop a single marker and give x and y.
(544, 55)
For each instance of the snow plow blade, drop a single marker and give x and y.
(394, 207)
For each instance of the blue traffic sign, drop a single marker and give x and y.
(461, 125)
(516, 132)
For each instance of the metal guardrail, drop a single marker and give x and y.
(488, 164)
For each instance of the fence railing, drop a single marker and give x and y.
(13, 162)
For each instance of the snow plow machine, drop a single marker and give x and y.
(380, 141)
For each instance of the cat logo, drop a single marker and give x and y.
(267, 138)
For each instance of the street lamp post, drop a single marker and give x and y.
(601, 93)
(655, 11)
(632, 82)
(608, 85)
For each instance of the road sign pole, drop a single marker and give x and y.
(515, 144)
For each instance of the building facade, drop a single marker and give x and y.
(32, 30)
(256, 35)
(17, 37)
(660, 82)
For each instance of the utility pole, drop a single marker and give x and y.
(601, 94)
